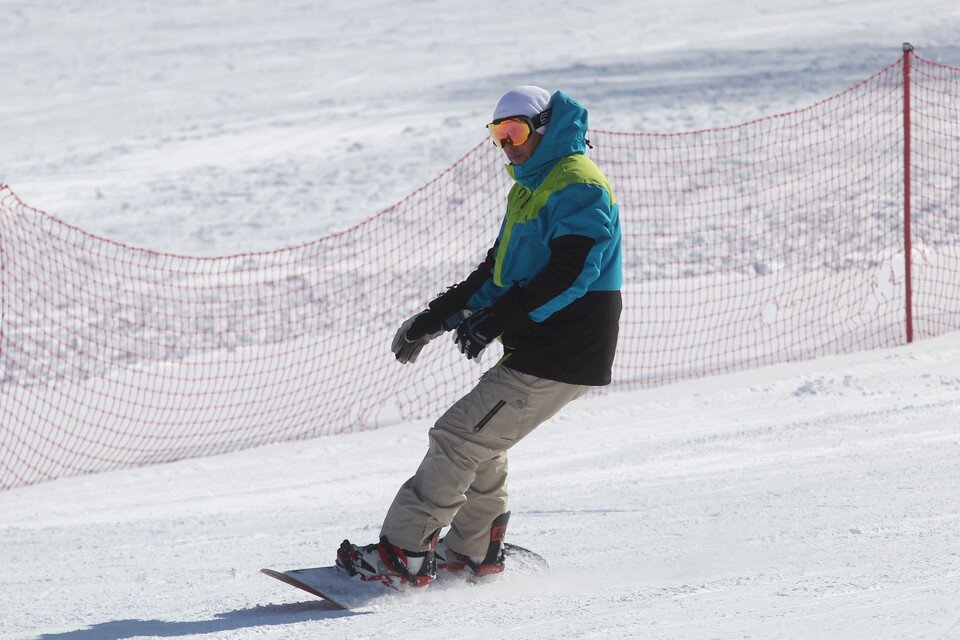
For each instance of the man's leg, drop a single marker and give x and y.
(470, 530)
(496, 414)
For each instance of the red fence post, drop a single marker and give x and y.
(908, 257)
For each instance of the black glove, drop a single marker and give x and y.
(424, 324)
(413, 335)
(476, 332)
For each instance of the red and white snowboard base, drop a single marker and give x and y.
(352, 593)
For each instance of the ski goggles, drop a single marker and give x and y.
(516, 129)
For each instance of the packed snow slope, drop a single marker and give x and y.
(813, 500)
(221, 127)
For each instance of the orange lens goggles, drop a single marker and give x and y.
(512, 130)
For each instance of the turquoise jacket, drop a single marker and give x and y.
(553, 276)
(557, 192)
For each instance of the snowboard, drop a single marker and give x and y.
(349, 592)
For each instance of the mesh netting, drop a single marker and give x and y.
(775, 240)
(935, 167)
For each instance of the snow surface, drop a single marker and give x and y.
(811, 500)
(219, 127)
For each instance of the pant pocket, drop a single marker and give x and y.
(487, 418)
(493, 413)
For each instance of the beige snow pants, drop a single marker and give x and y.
(462, 480)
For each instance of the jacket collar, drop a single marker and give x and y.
(566, 135)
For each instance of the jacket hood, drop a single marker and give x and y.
(566, 135)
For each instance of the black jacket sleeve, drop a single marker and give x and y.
(456, 297)
(568, 254)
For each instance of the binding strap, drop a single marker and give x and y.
(391, 557)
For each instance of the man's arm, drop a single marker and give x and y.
(568, 260)
(455, 298)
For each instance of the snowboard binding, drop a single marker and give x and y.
(492, 563)
(387, 563)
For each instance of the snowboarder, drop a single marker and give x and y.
(549, 288)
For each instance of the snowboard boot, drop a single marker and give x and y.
(480, 566)
(388, 563)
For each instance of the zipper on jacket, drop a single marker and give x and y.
(487, 418)
(512, 219)
(502, 252)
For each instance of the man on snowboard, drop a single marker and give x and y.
(549, 288)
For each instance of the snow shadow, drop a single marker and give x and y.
(262, 616)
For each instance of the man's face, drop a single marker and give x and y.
(522, 153)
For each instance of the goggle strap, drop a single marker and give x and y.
(541, 119)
